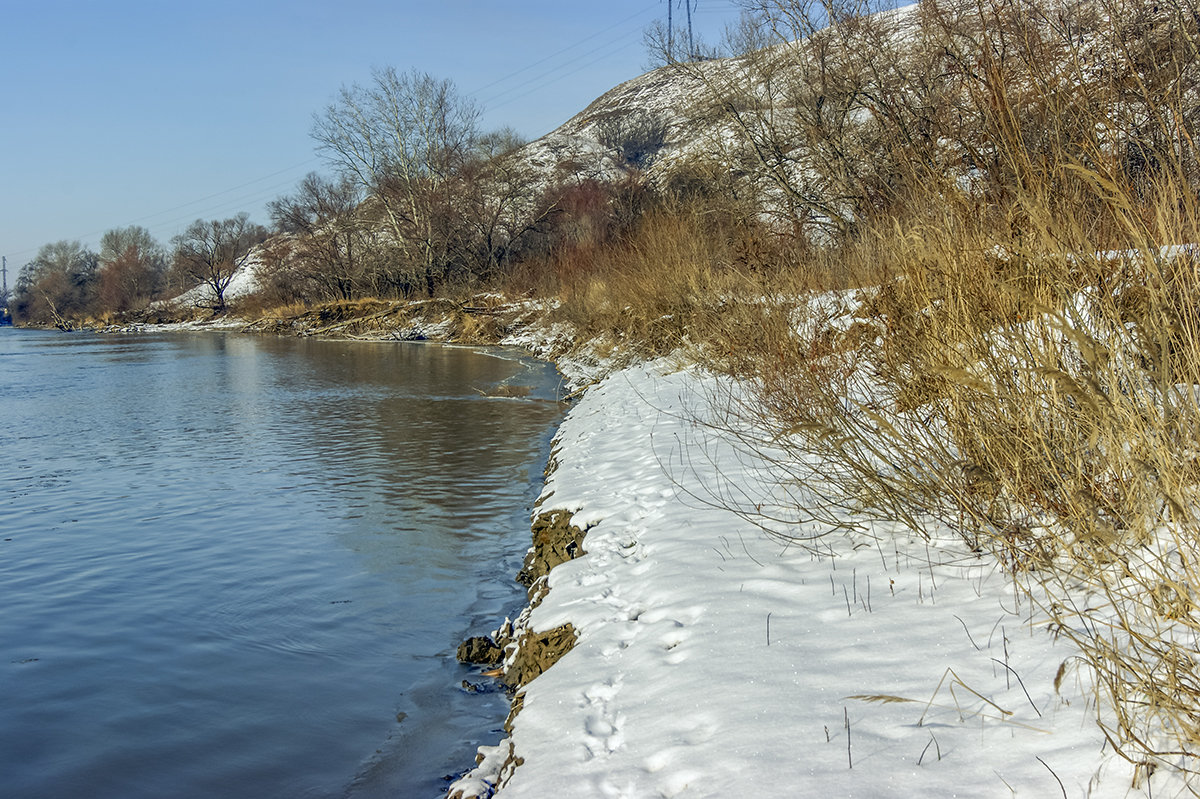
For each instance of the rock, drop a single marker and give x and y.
(537, 652)
(480, 650)
(555, 541)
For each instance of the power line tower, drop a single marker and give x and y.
(670, 31)
(688, 6)
(5, 316)
(691, 47)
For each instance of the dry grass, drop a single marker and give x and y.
(1024, 365)
(1043, 403)
(644, 296)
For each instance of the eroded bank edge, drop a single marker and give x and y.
(516, 651)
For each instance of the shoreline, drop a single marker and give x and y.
(521, 329)
(709, 659)
(712, 659)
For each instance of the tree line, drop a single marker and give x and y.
(67, 282)
(419, 200)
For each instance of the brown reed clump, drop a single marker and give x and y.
(1023, 363)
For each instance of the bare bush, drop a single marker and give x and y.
(635, 138)
(1023, 363)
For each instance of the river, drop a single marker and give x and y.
(234, 566)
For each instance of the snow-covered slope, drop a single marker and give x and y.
(714, 661)
(668, 95)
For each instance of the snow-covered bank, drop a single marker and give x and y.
(712, 660)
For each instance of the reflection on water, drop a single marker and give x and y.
(229, 564)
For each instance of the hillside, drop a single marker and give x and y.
(1006, 382)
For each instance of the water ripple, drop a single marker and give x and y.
(228, 562)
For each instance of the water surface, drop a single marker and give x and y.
(239, 567)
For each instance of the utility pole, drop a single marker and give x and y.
(691, 47)
(670, 32)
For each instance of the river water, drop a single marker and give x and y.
(234, 566)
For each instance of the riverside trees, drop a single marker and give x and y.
(325, 251)
(402, 139)
(210, 252)
(443, 202)
(67, 282)
(420, 200)
(58, 285)
(133, 268)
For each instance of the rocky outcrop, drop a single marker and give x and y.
(555, 540)
(526, 652)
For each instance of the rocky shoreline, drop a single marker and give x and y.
(515, 652)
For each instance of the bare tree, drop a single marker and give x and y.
(132, 268)
(58, 285)
(210, 252)
(401, 139)
(500, 204)
(327, 251)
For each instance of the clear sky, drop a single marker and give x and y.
(159, 112)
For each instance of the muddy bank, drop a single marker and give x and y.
(483, 319)
(516, 654)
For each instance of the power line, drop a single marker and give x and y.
(307, 162)
(537, 84)
(562, 76)
(253, 199)
(540, 81)
(557, 53)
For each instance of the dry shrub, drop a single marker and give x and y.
(649, 292)
(1024, 366)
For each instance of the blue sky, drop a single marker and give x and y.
(123, 112)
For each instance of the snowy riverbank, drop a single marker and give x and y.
(712, 660)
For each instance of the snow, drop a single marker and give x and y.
(716, 660)
(242, 282)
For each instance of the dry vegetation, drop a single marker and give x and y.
(1014, 187)
(953, 251)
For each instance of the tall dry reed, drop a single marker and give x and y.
(1025, 367)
